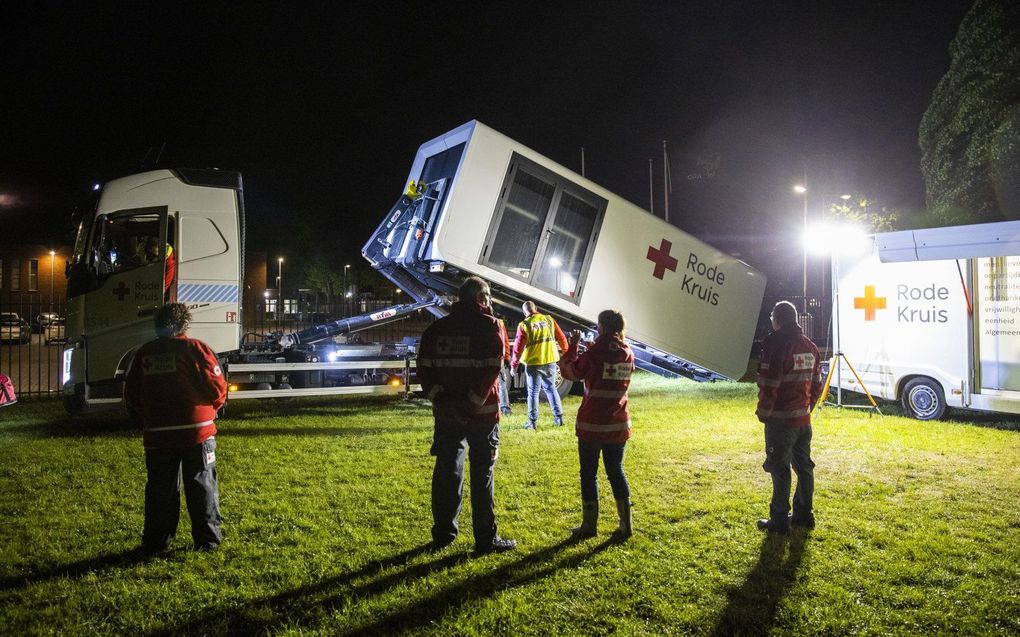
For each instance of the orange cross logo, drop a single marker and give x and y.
(869, 302)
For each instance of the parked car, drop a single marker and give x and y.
(14, 328)
(54, 333)
(42, 320)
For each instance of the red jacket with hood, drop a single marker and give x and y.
(789, 378)
(605, 368)
(458, 365)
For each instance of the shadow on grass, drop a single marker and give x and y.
(963, 417)
(225, 431)
(262, 615)
(318, 406)
(306, 606)
(71, 427)
(528, 569)
(751, 608)
(80, 568)
(986, 419)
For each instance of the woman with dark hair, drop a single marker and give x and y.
(603, 422)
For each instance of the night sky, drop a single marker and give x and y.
(322, 106)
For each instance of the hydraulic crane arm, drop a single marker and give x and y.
(352, 324)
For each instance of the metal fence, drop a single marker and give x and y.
(33, 357)
(30, 349)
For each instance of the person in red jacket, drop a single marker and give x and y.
(177, 386)
(603, 422)
(458, 366)
(789, 385)
(151, 255)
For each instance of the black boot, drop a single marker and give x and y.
(803, 521)
(772, 526)
(498, 545)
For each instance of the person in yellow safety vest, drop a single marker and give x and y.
(538, 337)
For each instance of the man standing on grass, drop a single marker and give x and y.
(458, 367)
(789, 385)
(538, 337)
(504, 370)
(176, 384)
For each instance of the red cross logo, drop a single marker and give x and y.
(869, 302)
(121, 291)
(661, 259)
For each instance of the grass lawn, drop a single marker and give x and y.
(326, 515)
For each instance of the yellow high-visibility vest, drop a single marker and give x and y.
(541, 346)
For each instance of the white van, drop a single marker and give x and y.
(932, 318)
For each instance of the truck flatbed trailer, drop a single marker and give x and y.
(478, 203)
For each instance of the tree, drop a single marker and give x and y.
(866, 213)
(970, 134)
(324, 277)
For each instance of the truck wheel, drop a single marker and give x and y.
(923, 399)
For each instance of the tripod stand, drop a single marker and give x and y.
(834, 367)
(839, 357)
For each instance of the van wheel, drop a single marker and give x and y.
(923, 399)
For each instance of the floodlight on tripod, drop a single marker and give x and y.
(835, 239)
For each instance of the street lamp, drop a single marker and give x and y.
(279, 286)
(801, 189)
(834, 240)
(347, 293)
(53, 253)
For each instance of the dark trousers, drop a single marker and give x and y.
(612, 458)
(786, 446)
(448, 483)
(165, 468)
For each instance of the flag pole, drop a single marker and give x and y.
(651, 190)
(665, 182)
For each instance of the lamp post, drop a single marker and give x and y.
(801, 190)
(347, 293)
(279, 287)
(830, 269)
(53, 254)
